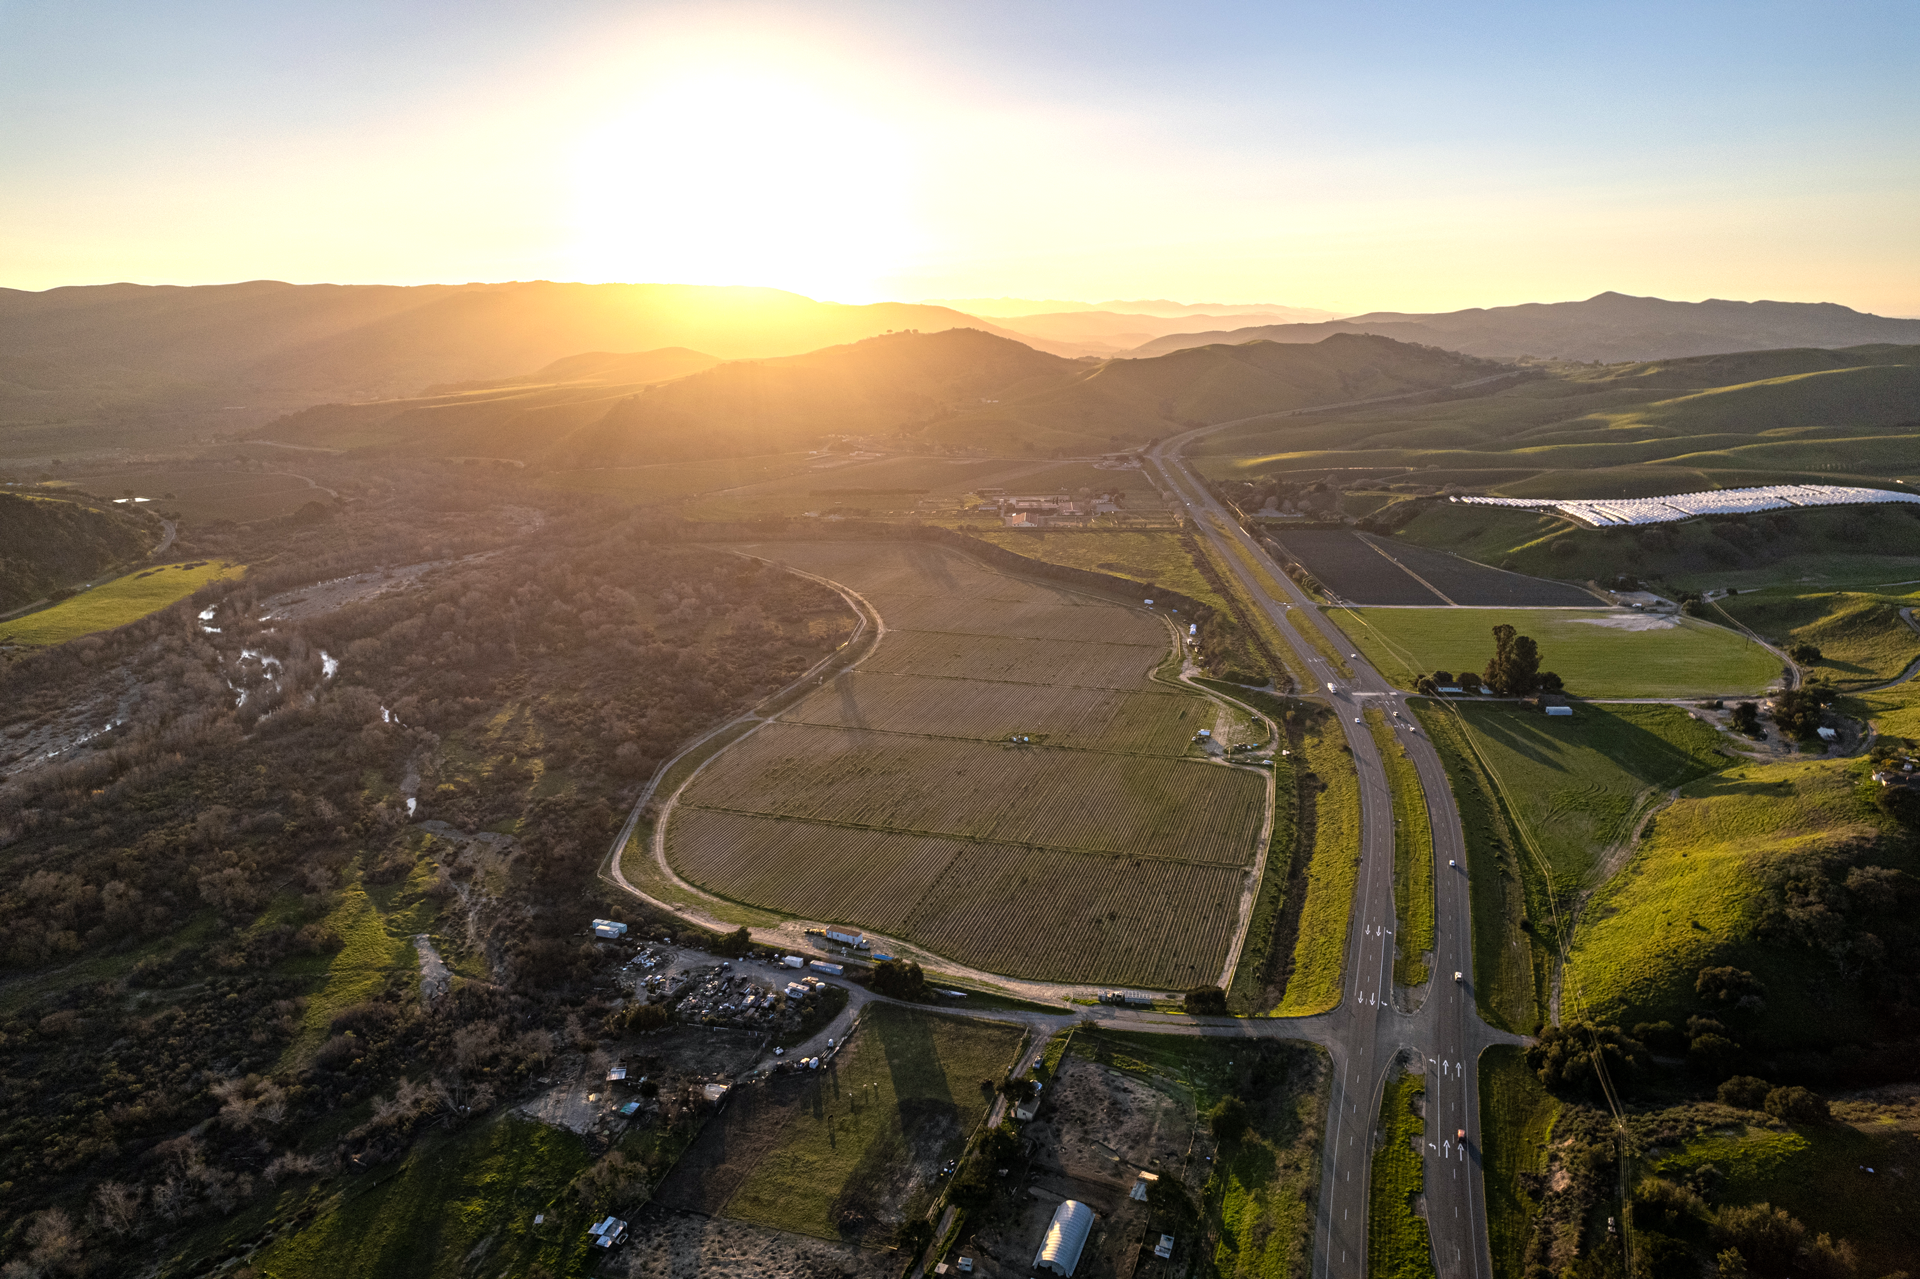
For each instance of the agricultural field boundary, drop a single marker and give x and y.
(711, 911)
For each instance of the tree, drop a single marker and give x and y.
(1204, 1000)
(1515, 668)
(1443, 677)
(1746, 718)
(1805, 654)
(1714, 1055)
(1797, 1105)
(734, 944)
(1735, 986)
(1571, 1057)
(1797, 711)
(899, 979)
(1228, 1120)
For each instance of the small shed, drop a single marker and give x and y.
(826, 967)
(1828, 735)
(1560, 710)
(608, 928)
(606, 1234)
(1066, 1236)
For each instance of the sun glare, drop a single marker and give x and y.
(744, 179)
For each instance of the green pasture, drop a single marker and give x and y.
(125, 599)
(457, 1202)
(1412, 855)
(1398, 1246)
(1686, 901)
(1578, 784)
(1516, 1123)
(1819, 1173)
(1320, 947)
(904, 1074)
(1861, 637)
(1686, 659)
(1893, 712)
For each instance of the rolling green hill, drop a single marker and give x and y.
(960, 389)
(1848, 416)
(47, 543)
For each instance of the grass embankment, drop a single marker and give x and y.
(1262, 1187)
(1596, 659)
(1516, 1117)
(1333, 868)
(1819, 1174)
(1156, 558)
(1263, 573)
(1253, 976)
(1687, 901)
(457, 1205)
(1861, 637)
(1412, 856)
(1398, 1246)
(125, 599)
(1507, 891)
(905, 1091)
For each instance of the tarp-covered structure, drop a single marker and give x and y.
(1066, 1236)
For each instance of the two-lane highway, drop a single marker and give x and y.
(1373, 1035)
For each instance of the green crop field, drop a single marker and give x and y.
(1412, 856)
(905, 1094)
(1516, 1120)
(125, 599)
(1398, 1246)
(1320, 948)
(1685, 901)
(1594, 652)
(891, 798)
(1861, 637)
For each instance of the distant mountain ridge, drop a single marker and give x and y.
(958, 389)
(125, 349)
(1609, 327)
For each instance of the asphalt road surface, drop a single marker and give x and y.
(1372, 1031)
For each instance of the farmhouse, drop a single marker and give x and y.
(1066, 1236)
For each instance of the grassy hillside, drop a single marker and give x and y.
(960, 389)
(1831, 547)
(1693, 897)
(1845, 416)
(46, 543)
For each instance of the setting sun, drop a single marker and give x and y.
(738, 177)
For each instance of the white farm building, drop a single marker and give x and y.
(1066, 1236)
(1612, 512)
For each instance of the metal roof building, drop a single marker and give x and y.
(1066, 1236)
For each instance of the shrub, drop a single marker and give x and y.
(1796, 1105)
(1744, 1091)
(1205, 1000)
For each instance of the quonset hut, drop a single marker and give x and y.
(1066, 1236)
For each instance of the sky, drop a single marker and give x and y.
(1351, 157)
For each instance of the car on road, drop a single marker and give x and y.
(1356, 719)
(1459, 977)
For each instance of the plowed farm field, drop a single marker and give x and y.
(891, 798)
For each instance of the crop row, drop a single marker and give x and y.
(1021, 911)
(1154, 722)
(1062, 799)
(1057, 619)
(870, 878)
(1074, 917)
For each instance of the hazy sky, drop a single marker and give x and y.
(1348, 156)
